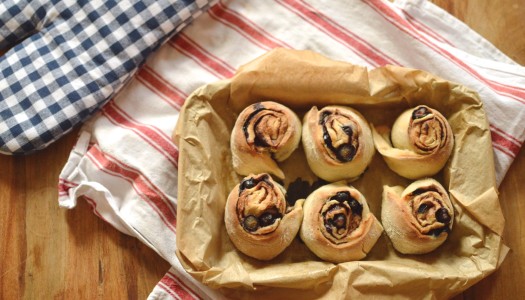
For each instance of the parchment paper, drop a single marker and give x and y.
(300, 79)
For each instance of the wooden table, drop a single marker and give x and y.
(47, 252)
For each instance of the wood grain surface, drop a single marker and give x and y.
(47, 252)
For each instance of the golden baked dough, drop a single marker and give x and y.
(257, 218)
(338, 225)
(263, 132)
(337, 142)
(421, 142)
(419, 218)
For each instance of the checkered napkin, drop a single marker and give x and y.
(125, 164)
(74, 56)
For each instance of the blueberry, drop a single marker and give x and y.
(326, 139)
(247, 184)
(420, 113)
(348, 130)
(422, 208)
(339, 221)
(341, 196)
(418, 192)
(438, 231)
(323, 116)
(266, 219)
(250, 223)
(356, 207)
(443, 216)
(346, 152)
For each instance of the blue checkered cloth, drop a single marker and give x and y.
(69, 57)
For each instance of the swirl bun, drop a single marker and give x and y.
(419, 218)
(338, 225)
(258, 220)
(337, 142)
(421, 144)
(263, 132)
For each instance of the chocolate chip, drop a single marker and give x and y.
(328, 227)
(250, 223)
(420, 112)
(356, 207)
(443, 216)
(266, 219)
(422, 208)
(247, 184)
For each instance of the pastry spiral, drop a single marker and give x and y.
(264, 132)
(422, 142)
(337, 142)
(338, 225)
(419, 218)
(257, 218)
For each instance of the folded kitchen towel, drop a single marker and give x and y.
(71, 58)
(125, 164)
